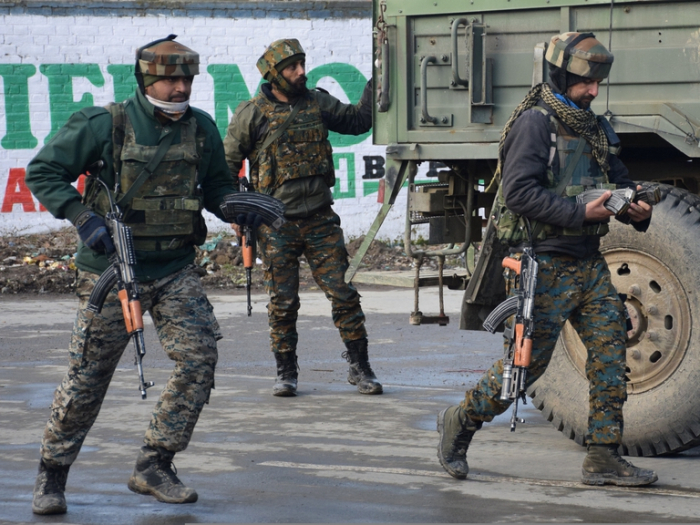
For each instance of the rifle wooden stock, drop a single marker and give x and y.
(512, 264)
(247, 251)
(133, 317)
(523, 347)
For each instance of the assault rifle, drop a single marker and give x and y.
(247, 247)
(121, 275)
(518, 354)
(245, 201)
(620, 200)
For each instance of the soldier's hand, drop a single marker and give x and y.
(92, 230)
(596, 211)
(250, 219)
(640, 210)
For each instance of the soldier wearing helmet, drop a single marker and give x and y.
(165, 162)
(277, 57)
(283, 132)
(553, 148)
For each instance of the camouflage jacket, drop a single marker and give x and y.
(302, 152)
(87, 138)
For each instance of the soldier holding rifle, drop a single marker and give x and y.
(552, 149)
(164, 163)
(283, 132)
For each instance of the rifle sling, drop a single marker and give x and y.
(149, 168)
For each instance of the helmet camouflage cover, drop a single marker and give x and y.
(278, 55)
(580, 54)
(168, 59)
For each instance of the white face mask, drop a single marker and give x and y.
(173, 110)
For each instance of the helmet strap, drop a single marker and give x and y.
(281, 83)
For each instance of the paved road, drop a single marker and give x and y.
(329, 455)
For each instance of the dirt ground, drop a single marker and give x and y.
(44, 264)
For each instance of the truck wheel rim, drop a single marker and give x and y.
(660, 314)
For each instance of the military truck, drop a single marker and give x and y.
(448, 74)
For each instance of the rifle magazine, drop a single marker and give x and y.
(502, 312)
(103, 286)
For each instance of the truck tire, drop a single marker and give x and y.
(659, 272)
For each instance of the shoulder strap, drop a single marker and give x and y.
(200, 138)
(118, 130)
(563, 183)
(278, 132)
(552, 132)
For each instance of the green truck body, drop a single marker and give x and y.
(448, 74)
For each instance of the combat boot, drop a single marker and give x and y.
(155, 474)
(456, 431)
(49, 488)
(604, 466)
(360, 372)
(287, 367)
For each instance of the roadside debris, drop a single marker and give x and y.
(45, 263)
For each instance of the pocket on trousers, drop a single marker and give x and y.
(214, 324)
(62, 403)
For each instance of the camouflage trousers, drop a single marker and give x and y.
(320, 239)
(581, 292)
(187, 329)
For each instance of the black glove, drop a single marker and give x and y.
(250, 219)
(93, 232)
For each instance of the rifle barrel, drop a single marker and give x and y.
(140, 351)
(247, 289)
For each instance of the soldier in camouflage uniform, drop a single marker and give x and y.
(538, 151)
(164, 213)
(283, 132)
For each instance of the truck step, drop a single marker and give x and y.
(452, 279)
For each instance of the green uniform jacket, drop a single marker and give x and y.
(87, 138)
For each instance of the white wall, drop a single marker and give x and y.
(106, 38)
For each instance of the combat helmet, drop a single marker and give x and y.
(276, 57)
(164, 58)
(575, 57)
